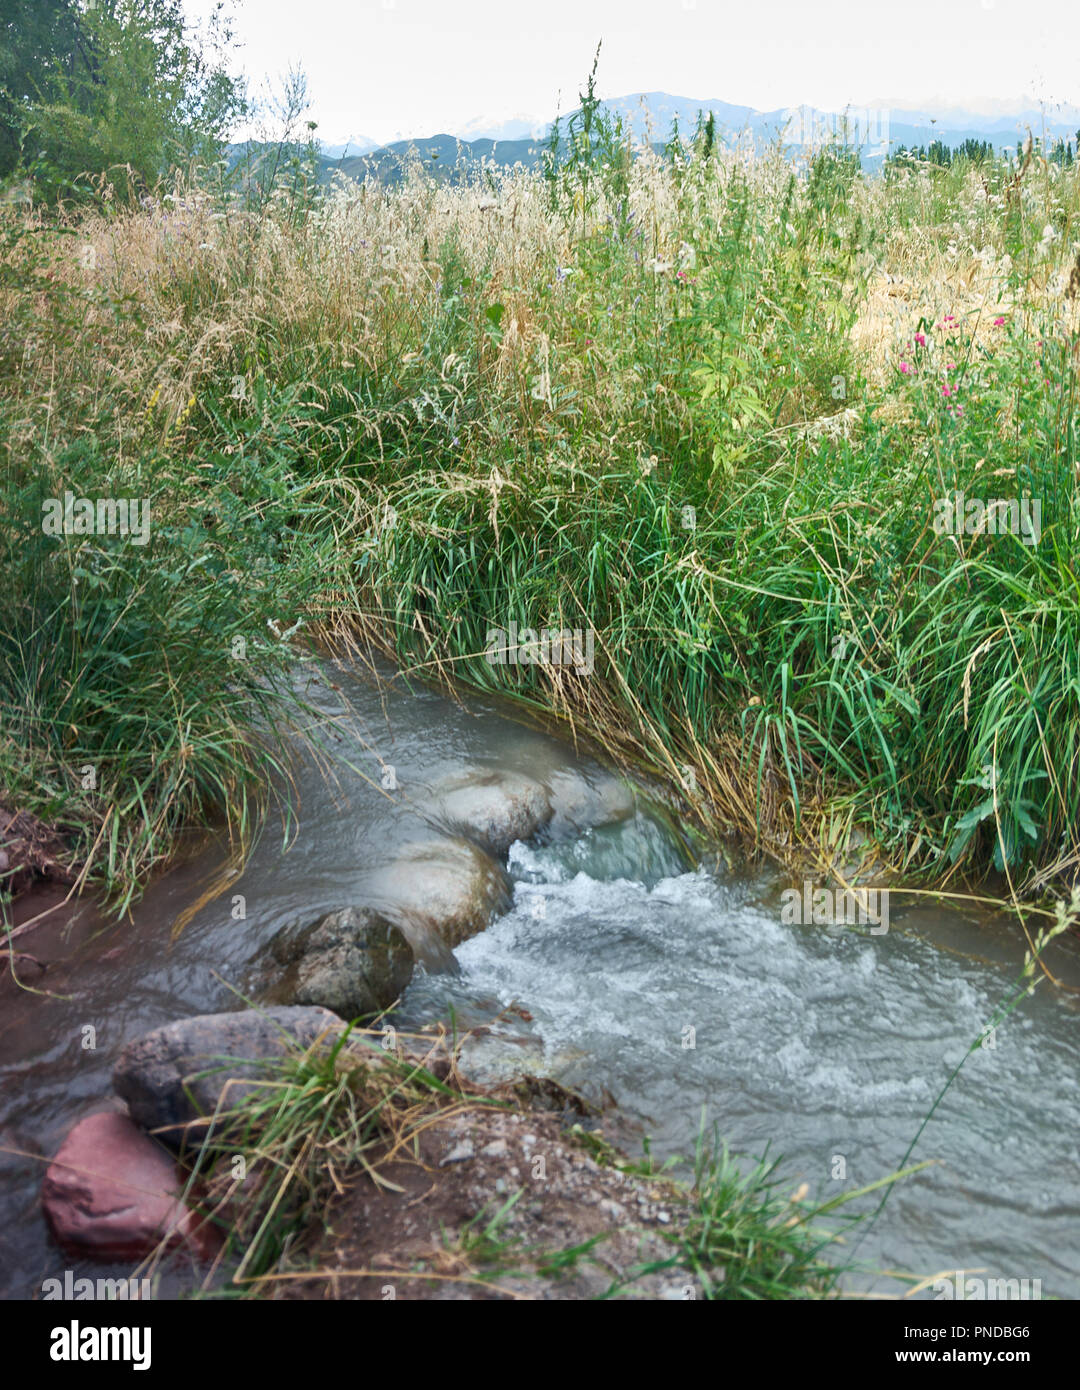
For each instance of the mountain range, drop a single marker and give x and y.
(651, 116)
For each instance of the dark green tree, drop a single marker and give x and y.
(88, 88)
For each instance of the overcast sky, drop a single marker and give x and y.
(385, 68)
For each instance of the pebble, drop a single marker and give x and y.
(459, 1153)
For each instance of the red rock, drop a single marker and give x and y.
(111, 1194)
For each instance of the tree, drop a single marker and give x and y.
(119, 82)
(36, 36)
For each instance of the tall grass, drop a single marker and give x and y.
(423, 413)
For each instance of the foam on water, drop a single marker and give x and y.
(831, 1045)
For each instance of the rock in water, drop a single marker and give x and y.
(176, 1074)
(440, 892)
(494, 809)
(111, 1194)
(581, 801)
(353, 961)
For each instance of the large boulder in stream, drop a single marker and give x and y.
(440, 892)
(111, 1194)
(354, 962)
(494, 809)
(174, 1076)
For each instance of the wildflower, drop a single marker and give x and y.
(561, 272)
(998, 323)
(920, 338)
(905, 368)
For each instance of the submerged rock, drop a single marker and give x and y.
(176, 1074)
(354, 962)
(440, 892)
(494, 809)
(581, 801)
(111, 1194)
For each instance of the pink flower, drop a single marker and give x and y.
(948, 390)
(905, 368)
(998, 323)
(950, 366)
(920, 338)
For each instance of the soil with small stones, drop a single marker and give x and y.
(421, 1238)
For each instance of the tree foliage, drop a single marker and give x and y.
(87, 87)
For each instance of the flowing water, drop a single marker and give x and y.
(619, 969)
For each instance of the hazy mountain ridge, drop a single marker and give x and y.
(652, 116)
(663, 108)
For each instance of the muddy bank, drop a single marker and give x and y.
(31, 852)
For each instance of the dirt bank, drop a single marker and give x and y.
(501, 1205)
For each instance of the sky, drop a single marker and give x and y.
(388, 69)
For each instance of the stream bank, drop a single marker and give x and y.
(613, 966)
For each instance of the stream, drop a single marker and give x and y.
(632, 973)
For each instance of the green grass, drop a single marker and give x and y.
(451, 419)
